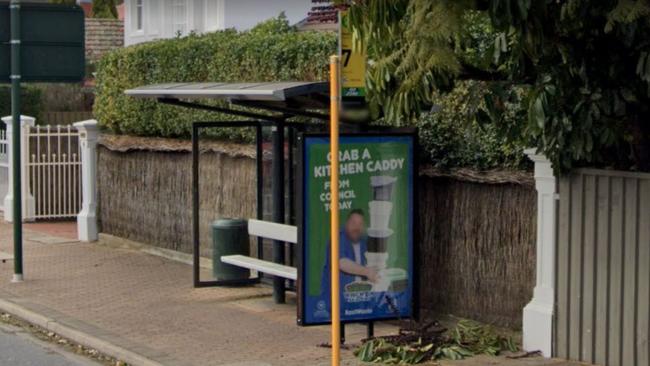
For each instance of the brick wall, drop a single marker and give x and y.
(103, 35)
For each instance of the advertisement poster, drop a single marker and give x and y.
(376, 237)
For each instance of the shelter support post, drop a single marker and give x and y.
(292, 191)
(87, 219)
(196, 256)
(538, 314)
(370, 330)
(278, 206)
(259, 181)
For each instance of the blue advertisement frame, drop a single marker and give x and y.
(384, 305)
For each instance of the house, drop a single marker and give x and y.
(147, 20)
(87, 6)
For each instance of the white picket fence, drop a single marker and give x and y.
(51, 182)
(53, 171)
(59, 170)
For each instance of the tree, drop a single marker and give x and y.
(581, 67)
(104, 9)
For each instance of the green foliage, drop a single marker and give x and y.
(104, 9)
(279, 25)
(272, 51)
(30, 101)
(65, 96)
(478, 339)
(582, 68)
(403, 57)
(381, 351)
(453, 136)
(467, 339)
(588, 101)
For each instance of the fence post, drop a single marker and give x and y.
(29, 206)
(538, 314)
(87, 218)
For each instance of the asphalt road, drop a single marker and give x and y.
(19, 348)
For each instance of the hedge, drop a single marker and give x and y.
(30, 101)
(272, 51)
(451, 136)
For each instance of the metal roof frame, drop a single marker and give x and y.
(284, 100)
(288, 98)
(269, 91)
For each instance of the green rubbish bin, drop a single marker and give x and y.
(229, 237)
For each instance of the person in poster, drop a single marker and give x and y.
(352, 259)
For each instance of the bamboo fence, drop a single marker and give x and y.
(476, 231)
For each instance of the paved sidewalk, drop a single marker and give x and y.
(146, 304)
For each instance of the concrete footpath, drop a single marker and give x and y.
(142, 308)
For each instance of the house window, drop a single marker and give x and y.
(139, 15)
(179, 17)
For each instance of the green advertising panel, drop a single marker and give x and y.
(51, 42)
(377, 220)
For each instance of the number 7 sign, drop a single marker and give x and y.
(353, 71)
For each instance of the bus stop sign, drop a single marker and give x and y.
(52, 43)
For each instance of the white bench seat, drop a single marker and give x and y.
(271, 268)
(272, 230)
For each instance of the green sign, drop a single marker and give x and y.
(376, 195)
(51, 43)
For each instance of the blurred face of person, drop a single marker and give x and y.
(354, 227)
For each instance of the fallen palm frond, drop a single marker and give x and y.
(413, 346)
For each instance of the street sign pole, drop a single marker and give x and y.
(51, 49)
(14, 9)
(335, 105)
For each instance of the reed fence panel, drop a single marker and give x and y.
(476, 240)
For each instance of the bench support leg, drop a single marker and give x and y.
(370, 330)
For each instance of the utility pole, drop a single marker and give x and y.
(335, 105)
(14, 9)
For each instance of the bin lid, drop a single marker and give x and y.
(228, 222)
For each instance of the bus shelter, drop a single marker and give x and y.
(379, 173)
(265, 104)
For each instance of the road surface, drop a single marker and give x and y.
(19, 348)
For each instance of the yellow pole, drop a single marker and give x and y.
(334, 184)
